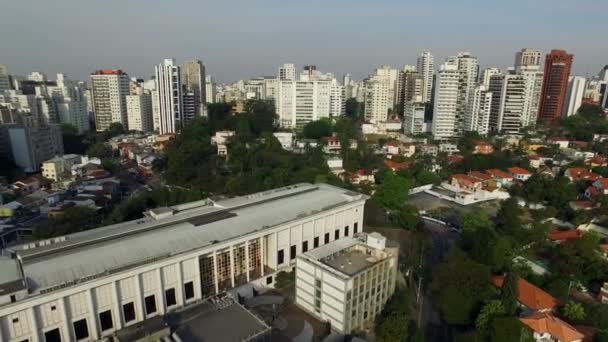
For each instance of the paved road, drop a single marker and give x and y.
(443, 239)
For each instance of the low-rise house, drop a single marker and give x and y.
(448, 148)
(502, 178)
(455, 159)
(396, 166)
(559, 141)
(559, 235)
(601, 184)
(361, 176)
(335, 165)
(60, 167)
(27, 185)
(519, 173)
(332, 144)
(547, 327)
(581, 205)
(486, 179)
(531, 298)
(429, 149)
(285, 139)
(466, 183)
(392, 147)
(596, 161)
(220, 139)
(581, 173)
(408, 149)
(482, 147)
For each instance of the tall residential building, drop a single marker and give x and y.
(270, 88)
(139, 110)
(527, 59)
(425, 67)
(347, 82)
(557, 70)
(574, 94)
(69, 100)
(287, 72)
(5, 81)
(31, 146)
(303, 101)
(109, 88)
(380, 90)
(167, 262)
(193, 79)
(337, 99)
(410, 87)
(447, 122)
(486, 74)
(478, 119)
(347, 282)
(413, 118)
(210, 90)
(603, 75)
(169, 89)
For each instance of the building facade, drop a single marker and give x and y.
(574, 94)
(413, 118)
(31, 146)
(425, 67)
(194, 81)
(109, 89)
(553, 97)
(56, 290)
(169, 91)
(139, 110)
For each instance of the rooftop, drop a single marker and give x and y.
(546, 323)
(530, 295)
(86, 255)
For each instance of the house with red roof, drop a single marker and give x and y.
(502, 178)
(580, 173)
(361, 176)
(601, 184)
(396, 166)
(560, 236)
(531, 298)
(455, 159)
(547, 327)
(596, 161)
(519, 173)
(482, 147)
(466, 183)
(392, 147)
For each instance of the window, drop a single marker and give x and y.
(53, 308)
(292, 252)
(189, 290)
(81, 331)
(316, 242)
(105, 320)
(355, 226)
(326, 237)
(13, 299)
(346, 231)
(150, 303)
(269, 280)
(304, 246)
(337, 234)
(52, 336)
(170, 297)
(128, 311)
(280, 257)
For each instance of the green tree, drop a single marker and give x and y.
(74, 219)
(263, 115)
(99, 150)
(488, 313)
(353, 108)
(460, 286)
(509, 293)
(508, 217)
(510, 329)
(391, 324)
(72, 142)
(574, 311)
(393, 192)
(317, 129)
(115, 129)
(407, 217)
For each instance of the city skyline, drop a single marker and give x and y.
(350, 38)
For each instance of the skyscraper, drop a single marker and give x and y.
(486, 74)
(139, 109)
(193, 78)
(169, 90)
(555, 84)
(287, 72)
(574, 94)
(478, 119)
(109, 88)
(209, 89)
(380, 93)
(70, 103)
(527, 59)
(5, 83)
(425, 67)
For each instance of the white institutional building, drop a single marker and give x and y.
(347, 281)
(88, 285)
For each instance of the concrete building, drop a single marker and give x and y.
(109, 88)
(347, 282)
(557, 71)
(337, 99)
(478, 117)
(380, 90)
(446, 120)
(410, 88)
(31, 146)
(60, 167)
(527, 59)
(425, 67)
(486, 74)
(139, 110)
(69, 100)
(413, 118)
(5, 81)
(194, 81)
(210, 90)
(169, 90)
(89, 285)
(303, 101)
(287, 72)
(574, 94)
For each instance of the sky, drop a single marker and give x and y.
(238, 39)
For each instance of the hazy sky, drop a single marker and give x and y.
(243, 38)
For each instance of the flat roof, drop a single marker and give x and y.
(340, 255)
(90, 254)
(231, 323)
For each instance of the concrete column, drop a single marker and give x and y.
(117, 311)
(262, 254)
(247, 258)
(232, 266)
(276, 249)
(139, 300)
(33, 324)
(198, 286)
(217, 286)
(179, 289)
(161, 292)
(65, 322)
(92, 325)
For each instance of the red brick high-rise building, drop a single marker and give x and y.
(555, 84)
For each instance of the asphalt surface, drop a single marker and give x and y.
(442, 240)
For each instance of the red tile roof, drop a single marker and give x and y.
(519, 171)
(565, 235)
(398, 166)
(530, 295)
(581, 173)
(480, 175)
(499, 174)
(543, 323)
(465, 180)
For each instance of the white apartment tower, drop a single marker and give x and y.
(210, 90)
(336, 99)
(5, 83)
(425, 67)
(380, 90)
(139, 110)
(486, 74)
(169, 90)
(527, 59)
(109, 88)
(70, 103)
(446, 119)
(287, 72)
(478, 118)
(300, 102)
(574, 94)
(193, 79)
(413, 118)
